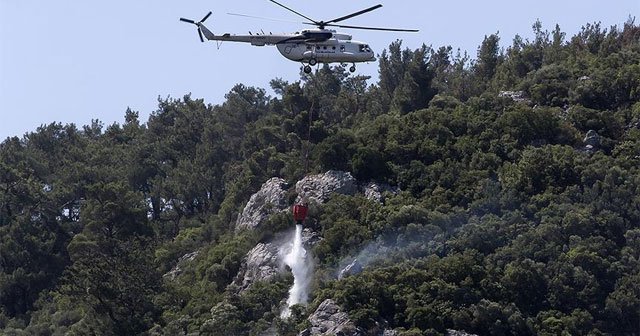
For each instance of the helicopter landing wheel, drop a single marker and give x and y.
(352, 68)
(307, 69)
(313, 62)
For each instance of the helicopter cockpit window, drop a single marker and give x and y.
(308, 47)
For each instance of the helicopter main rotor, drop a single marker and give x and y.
(331, 23)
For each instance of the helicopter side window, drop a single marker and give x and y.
(342, 48)
(308, 47)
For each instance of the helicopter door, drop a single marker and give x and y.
(310, 53)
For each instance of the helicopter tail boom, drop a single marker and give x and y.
(254, 39)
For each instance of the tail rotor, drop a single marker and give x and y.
(198, 24)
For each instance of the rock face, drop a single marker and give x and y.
(261, 263)
(592, 138)
(177, 269)
(451, 332)
(635, 123)
(516, 96)
(328, 319)
(373, 191)
(318, 188)
(354, 267)
(591, 141)
(270, 199)
(265, 261)
(310, 238)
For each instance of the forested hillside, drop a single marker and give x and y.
(517, 210)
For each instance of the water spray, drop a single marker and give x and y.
(297, 260)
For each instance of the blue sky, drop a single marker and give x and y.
(74, 61)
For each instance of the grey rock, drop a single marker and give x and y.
(329, 319)
(592, 139)
(374, 191)
(318, 188)
(635, 123)
(451, 332)
(310, 238)
(564, 114)
(270, 199)
(260, 264)
(354, 267)
(177, 269)
(265, 261)
(516, 96)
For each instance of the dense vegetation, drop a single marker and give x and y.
(508, 224)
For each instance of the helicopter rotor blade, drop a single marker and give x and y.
(263, 18)
(197, 24)
(355, 14)
(374, 28)
(205, 17)
(291, 10)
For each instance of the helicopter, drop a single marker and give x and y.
(309, 46)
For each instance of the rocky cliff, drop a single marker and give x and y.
(329, 319)
(261, 263)
(264, 261)
(270, 199)
(318, 188)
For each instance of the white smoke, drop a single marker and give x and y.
(302, 269)
(415, 242)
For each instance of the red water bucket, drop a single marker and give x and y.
(300, 212)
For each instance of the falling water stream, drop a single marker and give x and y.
(301, 268)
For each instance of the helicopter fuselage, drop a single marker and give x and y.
(308, 46)
(329, 51)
